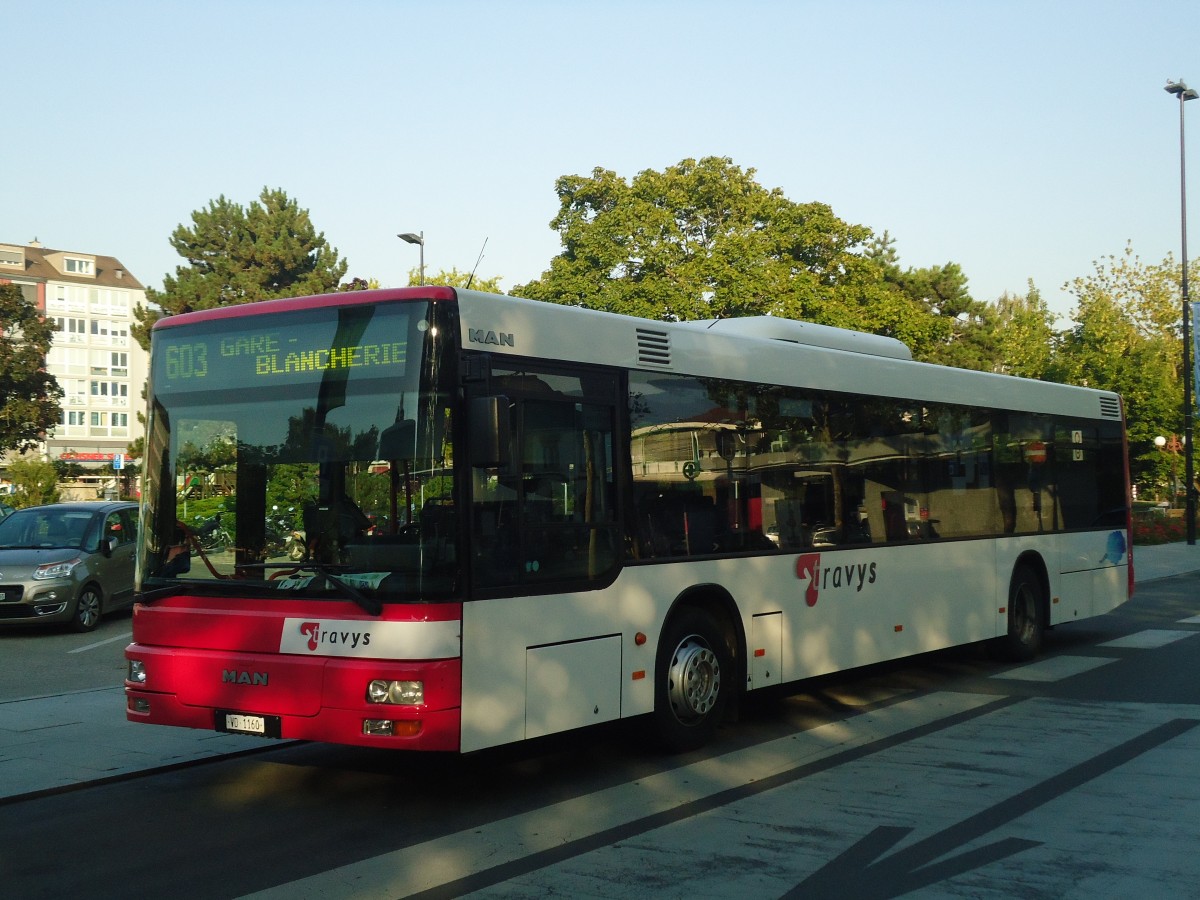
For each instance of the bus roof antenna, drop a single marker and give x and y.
(477, 262)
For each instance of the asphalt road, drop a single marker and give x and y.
(951, 775)
(43, 660)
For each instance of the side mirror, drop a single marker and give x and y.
(491, 432)
(399, 441)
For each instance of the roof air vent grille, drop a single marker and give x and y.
(654, 347)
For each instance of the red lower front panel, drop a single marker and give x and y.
(280, 672)
(334, 712)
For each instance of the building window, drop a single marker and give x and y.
(78, 266)
(106, 363)
(73, 330)
(109, 389)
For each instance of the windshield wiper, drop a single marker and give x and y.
(370, 605)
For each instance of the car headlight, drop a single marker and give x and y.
(401, 693)
(57, 569)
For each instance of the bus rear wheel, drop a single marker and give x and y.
(1026, 616)
(693, 680)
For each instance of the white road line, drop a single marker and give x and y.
(1055, 668)
(1148, 639)
(112, 640)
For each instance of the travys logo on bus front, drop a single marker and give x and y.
(376, 639)
(844, 577)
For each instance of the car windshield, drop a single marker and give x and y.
(45, 528)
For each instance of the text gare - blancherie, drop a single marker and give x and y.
(272, 356)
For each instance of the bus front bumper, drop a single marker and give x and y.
(434, 730)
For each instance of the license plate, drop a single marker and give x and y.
(244, 724)
(235, 722)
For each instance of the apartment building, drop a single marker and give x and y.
(101, 368)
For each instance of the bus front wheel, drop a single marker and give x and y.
(693, 680)
(1026, 615)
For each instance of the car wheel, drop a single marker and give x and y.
(87, 609)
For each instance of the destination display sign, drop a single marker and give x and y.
(303, 348)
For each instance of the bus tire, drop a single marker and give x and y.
(1026, 616)
(692, 682)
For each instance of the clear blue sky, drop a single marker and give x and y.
(1021, 140)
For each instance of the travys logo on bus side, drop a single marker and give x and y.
(815, 577)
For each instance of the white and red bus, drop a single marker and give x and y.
(513, 518)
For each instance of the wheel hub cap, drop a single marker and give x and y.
(695, 679)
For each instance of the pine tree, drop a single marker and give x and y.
(241, 255)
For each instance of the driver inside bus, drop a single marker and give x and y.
(178, 558)
(330, 527)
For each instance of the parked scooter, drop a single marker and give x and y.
(275, 533)
(291, 538)
(296, 547)
(210, 535)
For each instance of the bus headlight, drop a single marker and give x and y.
(137, 671)
(400, 693)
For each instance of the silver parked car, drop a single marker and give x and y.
(67, 562)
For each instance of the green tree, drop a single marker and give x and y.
(29, 395)
(358, 284)
(457, 279)
(1023, 334)
(1126, 338)
(35, 482)
(241, 254)
(704, 240)
(954, 328)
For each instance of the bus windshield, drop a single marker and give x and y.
(307, 453)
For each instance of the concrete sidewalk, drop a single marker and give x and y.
(1164, 560)
(54, 742)
(49, 743)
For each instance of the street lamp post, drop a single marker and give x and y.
(418, 239)
(1184, 93)
(1173, 447)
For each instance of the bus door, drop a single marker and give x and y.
(543, 478)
